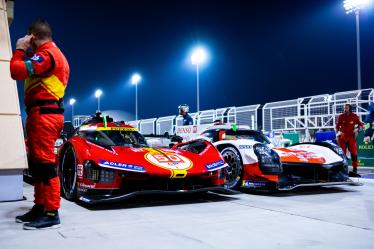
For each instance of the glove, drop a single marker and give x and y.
(338, 134)
(367, 139)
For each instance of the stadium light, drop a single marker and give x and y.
(98, 94)
(135, 80)
(72, 102)
(354, 6)
(198, 57)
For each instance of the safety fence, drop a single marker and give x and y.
(300, 115)
(315, 112)
(246, 115)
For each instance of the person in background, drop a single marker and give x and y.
(183, 111)
(346, 133)
(369, 125)
(41, 64)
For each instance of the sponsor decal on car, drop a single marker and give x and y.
(82, 185)
(245, 147)
(95, 128)
(80, 170)
(216, 165)
(251, 184)
(137, 149)
(170, 161)
(123, 166)
(116, 129)
(84, 199)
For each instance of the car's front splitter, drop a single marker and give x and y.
(267, 185)
(293, 186)
(117, 198)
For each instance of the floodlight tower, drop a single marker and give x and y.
(354, 6)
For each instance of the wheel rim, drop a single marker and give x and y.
(68, 172)
(233, 168)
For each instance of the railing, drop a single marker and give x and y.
(165, 124)
(302, 114)
(79, 119)
(147, 126)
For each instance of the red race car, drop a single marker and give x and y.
(106, 161)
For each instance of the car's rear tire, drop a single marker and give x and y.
(234, 170)
(68, 175)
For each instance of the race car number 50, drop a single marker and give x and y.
(169, 161)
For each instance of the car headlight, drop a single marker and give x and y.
(268, 159)
(93, 172)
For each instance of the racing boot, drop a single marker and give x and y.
(32, 215)
(354, 173)
(48, 220)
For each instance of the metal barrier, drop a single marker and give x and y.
(206, 117)
(165, 124)
(135, 124)
(315, 112)
(79, 119)
(302, 115)
(247, 115)
(221, 113)
(320, 112)
(284, 115)
(147, 126)
(359, 99)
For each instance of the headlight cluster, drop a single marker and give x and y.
(268, 159)
(98, 174)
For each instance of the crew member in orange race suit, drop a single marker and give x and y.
(41, 64)
(345, 128)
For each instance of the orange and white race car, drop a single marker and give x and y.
(253, 162)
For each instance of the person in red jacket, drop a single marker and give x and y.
(346, 128)
(40, 63)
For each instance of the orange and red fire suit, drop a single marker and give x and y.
(46, 75)
(347, 138)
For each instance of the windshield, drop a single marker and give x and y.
(114, 138)
(246, 134)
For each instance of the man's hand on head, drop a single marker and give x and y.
(24, 43)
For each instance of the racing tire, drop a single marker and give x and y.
(234, 170)
(68, 174)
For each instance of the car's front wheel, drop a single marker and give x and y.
(234, 168)
(69, 173)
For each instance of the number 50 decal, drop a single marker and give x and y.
(170, 161)
(167, 159)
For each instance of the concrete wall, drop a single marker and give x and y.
(12, 146)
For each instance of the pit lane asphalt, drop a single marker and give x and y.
(324, 217)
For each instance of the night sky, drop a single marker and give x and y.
(260, 51)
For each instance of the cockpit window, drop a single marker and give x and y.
(246, 134)
(212, 134)
(114, 138)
